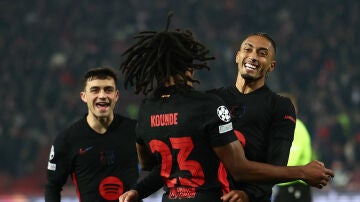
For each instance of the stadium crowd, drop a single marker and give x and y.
(46, 45)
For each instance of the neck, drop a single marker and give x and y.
(99, 124)
(171, 82)
(247, 86)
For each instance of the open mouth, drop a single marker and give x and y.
(250, 66)
(102, 106)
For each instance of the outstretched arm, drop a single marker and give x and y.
(233, 157)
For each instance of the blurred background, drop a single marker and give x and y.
(46, 45)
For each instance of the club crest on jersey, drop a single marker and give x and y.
(107, 157)
(223, 113)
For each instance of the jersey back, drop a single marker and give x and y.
(181, 130)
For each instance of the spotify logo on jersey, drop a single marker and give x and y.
(111, 188)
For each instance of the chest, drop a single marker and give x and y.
(95, 150)
(251, 110)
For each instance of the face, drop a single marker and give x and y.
(100, 95)
(255, 58)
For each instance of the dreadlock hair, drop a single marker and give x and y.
(158, 55)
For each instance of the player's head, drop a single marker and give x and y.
(100, 92)
(256, 56)
(159, 57)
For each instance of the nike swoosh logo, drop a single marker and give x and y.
(83, 151)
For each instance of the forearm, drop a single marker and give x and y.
(241, 169)
(260, 172)
(149, 184)
(52, 193)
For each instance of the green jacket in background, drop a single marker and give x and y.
(301, 149)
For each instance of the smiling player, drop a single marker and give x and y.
(98, 151)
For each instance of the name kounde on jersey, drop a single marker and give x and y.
(158, 120)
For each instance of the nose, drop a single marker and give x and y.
(252, 59)
(253, 56)
(102, 94)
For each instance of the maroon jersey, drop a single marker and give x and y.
(180, 130)
(102, 166)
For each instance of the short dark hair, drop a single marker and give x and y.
(265, 35)
(158, 55)
(99, 73)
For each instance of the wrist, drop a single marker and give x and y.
(302, 173)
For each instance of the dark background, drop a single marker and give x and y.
(46, 45)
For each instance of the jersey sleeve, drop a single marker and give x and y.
(57, 170)
(150, 183)
(281, 133)
(218, 125)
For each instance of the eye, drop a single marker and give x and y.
(94, 90)
(263, 53)
(109, 89)
(247, 49)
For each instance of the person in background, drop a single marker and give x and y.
(184, 135)
(300, 154)
(98, 151)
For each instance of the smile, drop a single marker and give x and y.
(250, 66)
(102, 105)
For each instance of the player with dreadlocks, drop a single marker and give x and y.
(183, 135)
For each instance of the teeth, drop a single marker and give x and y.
(250, 66)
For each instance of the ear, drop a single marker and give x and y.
(117, 95)
(272, 66)
(83, 96)
(237, 57)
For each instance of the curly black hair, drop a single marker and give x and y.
(158, 55)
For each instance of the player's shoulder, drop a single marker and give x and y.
(75, 126)
(122, 118)
(277, 101)
(123, 124)
(71, 131)
(225, 90)
(282, 100)
(276, 98)
(206, 98)
(283, 104)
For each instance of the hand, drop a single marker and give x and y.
(129, 196)
(317, 175)
(235, 196)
